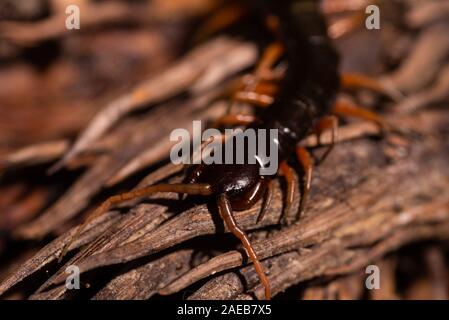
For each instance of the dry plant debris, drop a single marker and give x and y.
(380, 198)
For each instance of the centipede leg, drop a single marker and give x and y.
(253, 98)
(329, 122)
(223, 18)
(252, 84)
(225, 210)
(342, 6)
(346, 25)
(305, 160)
(270, 56)
(261, 96)
(234, 119)
(266, 201)
(292, 182)
(346, 109)
(193, 189)
(264, 71)
(352, 81)
(263, 84)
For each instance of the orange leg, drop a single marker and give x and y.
(292, 182)
(234, 119)
(329, 122)
(222, 19)
(351, 81)
(262, 83)
(269, 58)
(260, 96)
(254, 88)
(347, 109)
(266, 87)
(193, 189)
(253, 98)
(266, 201)
(346, 25)
(305, 160)
(264, 71)
(225, 209)
(341, 6)
(274, 25)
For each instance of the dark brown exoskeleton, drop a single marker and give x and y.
(304, 104)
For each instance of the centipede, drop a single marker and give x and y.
(299, 101)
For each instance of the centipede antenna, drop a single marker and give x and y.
(192, 189)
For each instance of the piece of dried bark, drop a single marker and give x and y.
(438, 93)
(145, 281)
(51, 251)
(34, 154)
(95, 14)
(428, 54)
(169, 83)
(414, 209)
(349, 287)
(438, 273)
(387, 287)
(425, 13)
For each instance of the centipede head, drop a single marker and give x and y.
(242, 183)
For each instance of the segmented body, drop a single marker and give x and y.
(311, 81)
(307, 92)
